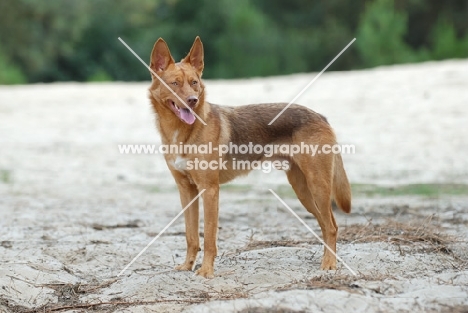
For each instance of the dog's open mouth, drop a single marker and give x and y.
(184, 114)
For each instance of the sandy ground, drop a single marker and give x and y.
(74, 212)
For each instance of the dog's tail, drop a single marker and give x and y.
(341, 188)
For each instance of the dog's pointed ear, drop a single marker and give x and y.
(161, 57)
(195, 56)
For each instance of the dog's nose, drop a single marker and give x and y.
(192, 100)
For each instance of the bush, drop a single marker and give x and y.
(9, 73)
(380, 36)
(446, 45)
(47, 41)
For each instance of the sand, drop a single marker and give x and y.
(74, 211)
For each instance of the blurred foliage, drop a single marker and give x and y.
(381, 35)
(63, 40)
(9, 73)
(446, 43)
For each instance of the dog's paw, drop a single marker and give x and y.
(184, 267)
(328, 266)
(205, 272)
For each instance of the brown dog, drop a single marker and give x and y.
(315, 179)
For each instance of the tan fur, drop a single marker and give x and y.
(315, 179)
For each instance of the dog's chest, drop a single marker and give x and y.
(174, 159)
(175, 138)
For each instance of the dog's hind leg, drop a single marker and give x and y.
(188, 192)
(313, 189)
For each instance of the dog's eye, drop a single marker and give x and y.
(175, 83)
(194, 82)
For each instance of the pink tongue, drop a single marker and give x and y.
(187, 116)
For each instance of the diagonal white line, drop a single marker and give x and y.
(160, 233)
(163, 82)
(313, 80)
(313, 233)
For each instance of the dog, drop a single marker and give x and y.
(177, 94)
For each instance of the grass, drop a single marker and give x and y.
(358, 190)
(5, 176)
(370, 190)
(158, 188)
(424, 190)
(420, 236)
(338, 281)
(410, 237)
(68, 296)
(264, 244)
(236, 187)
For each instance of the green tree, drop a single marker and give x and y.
(446, 44)
(62, 40)
(380, 35)
(40, 35)
(9, 73)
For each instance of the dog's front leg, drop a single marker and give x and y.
(210, 207)
(188, 192)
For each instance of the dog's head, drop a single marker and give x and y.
(182, 91)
